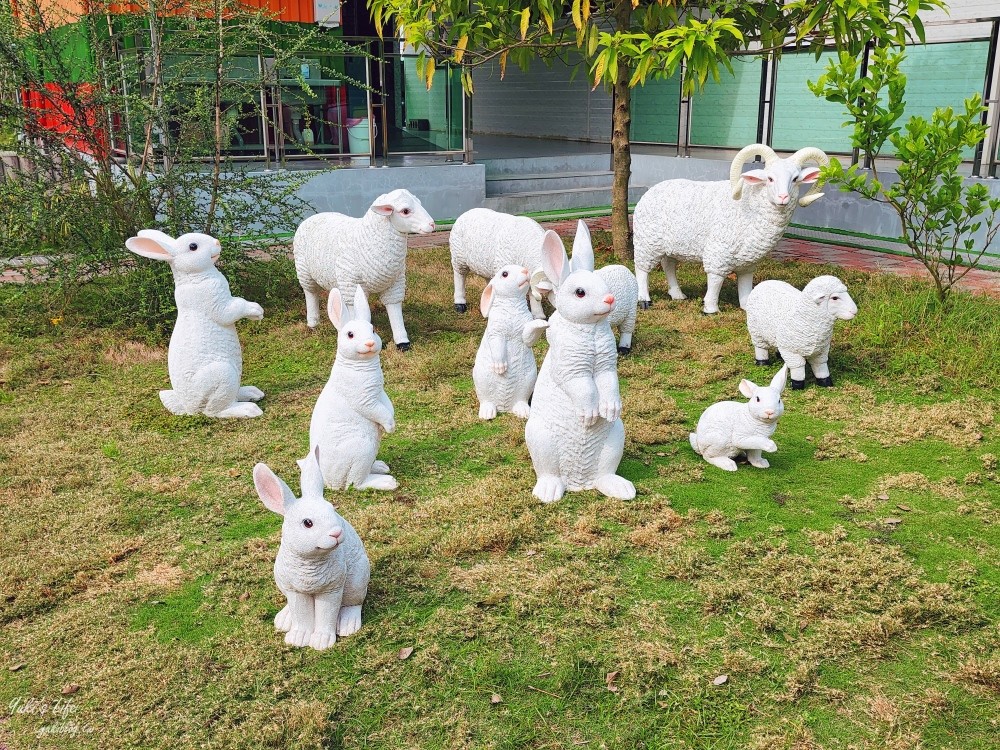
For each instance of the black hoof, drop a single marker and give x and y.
(624, 350)
(798, 385)
(461, 307)
(762, 362)
(403, 346)
(644, 304)
(826, 382)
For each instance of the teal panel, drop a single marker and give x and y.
(800, 117)
(655, 109)
(943, 75)
(725, 113)
(433, 116)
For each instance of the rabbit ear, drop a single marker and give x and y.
(778, 381)
(486, 301)
(148, 247)
(748, 388)
(312, 475)
(339, 314)
(361, 309)
(554, 260)
(583, 249)
(275, 494)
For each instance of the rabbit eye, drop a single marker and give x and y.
(193, 246)
(580, 292)
(350, 334)
(758, 399)
(307, 523)
(504, 274)
(834, 298)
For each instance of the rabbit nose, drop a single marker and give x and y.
(370, 344)
(610, 299)
(769, 413)
(337, 531)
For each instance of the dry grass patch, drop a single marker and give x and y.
(981, 672)
(134, 352)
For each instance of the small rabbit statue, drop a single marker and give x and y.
(204, 360)
(353, 410)
(731, 428)
(505, 369)
(574, 433)
(321, 567)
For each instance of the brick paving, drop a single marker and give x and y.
(977, 281)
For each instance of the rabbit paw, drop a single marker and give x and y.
(283, 620)
(758, 461)
(389, 425)
(380, 467)
(249, 393)
(322, 639)
(378, 482)
(349, 621)
(724, 463)
(588, 416)
(244, 409)
(611, 410)
(521, 409)
(549, 489)
(499, 368)
(254, 311)
(298, 637)
(487, 410)
(771, 447)
(615, 486)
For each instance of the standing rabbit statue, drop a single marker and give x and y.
(321, 567)
(353, 410)
(574, 433)
(731, 428)
(505, 369)
(204, 360)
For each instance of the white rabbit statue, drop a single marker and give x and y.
(505, 369)
(321, 567)
(731, 428)
(353, 410)
(574, 433)
(204, 360)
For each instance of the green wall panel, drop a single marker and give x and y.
(655, 108)
(725, 113)
(800, 117)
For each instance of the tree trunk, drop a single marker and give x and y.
(621, 153)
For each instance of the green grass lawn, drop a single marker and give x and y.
(850, 593)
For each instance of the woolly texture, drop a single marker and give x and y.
(204, 360)
(483, 241)
(321, 567)
(334, 250)
(622, 284)
(682, 220)
(353, 410)
(505, 369)
(798, 324)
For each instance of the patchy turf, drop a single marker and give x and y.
(850, 594)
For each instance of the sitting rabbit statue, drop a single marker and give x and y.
(574, 433)
(731, 428)
(353, 410)
(321, 567)
(505, 369)
(204, 360)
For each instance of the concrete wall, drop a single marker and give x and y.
(444, 190)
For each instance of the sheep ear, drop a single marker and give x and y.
(583, 249)
(748, 388)
(486, 301)
(274, 493)
(554, 260)
(778, 381)
(362, 311)
(312, 475)
(383, 205)
(809, 174)
(339, 314)
(818, 298)
(754, 177)
(148, 247)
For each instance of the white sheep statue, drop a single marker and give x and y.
(483, 241)
(798, 324)
(729, 226)
(334, 250)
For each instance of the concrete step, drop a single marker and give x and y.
(553, 200)
(548, 164)
(545, 181)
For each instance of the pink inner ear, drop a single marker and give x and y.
(747, 388)
(486, 301)
(269, 489)
(385, 210)
(752, 178)
(809, 175)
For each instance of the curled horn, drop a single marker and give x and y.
(754, 149)
(799, 158)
